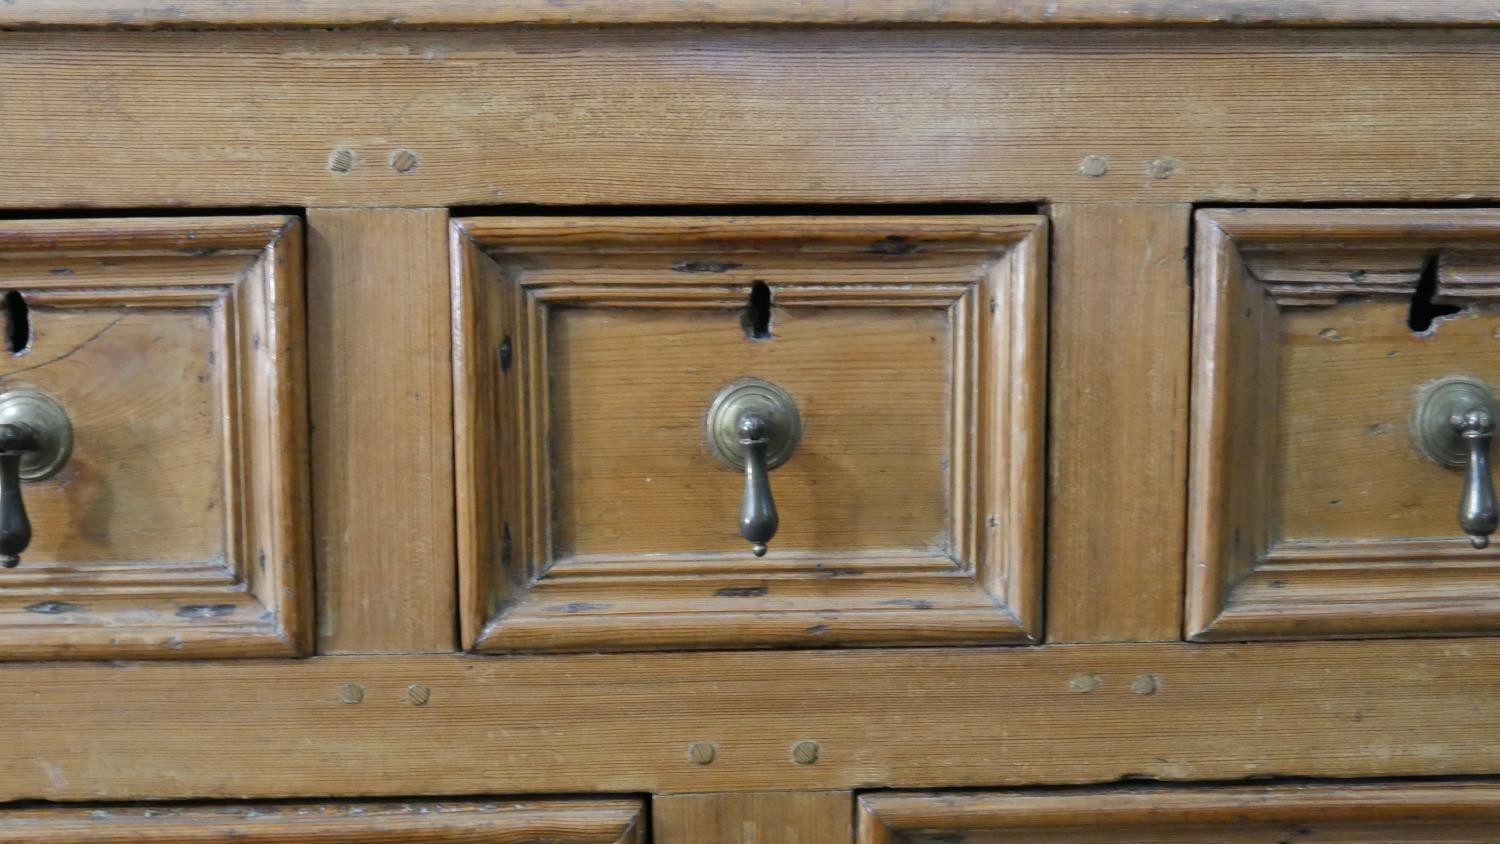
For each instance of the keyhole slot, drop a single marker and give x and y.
(1423, 310)
(17, 323)
(756, 320)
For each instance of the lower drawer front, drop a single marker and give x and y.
(1467, 813)
(481, 822)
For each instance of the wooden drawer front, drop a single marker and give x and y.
(1346, 814)
(527, 822)
(592, 512)
(1313, 512)
(178, 526)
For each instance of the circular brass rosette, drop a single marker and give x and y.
(772, 403)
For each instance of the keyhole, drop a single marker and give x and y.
(1423, 309)
(756, 320)
(17, 323)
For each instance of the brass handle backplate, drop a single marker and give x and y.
(1454, 426)
(753, 426)
(36, 439)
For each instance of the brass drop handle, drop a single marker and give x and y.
(758, 519)
(1476, 509)
(1455, 425)
(36, 439)
(753, 426)
(16, 438)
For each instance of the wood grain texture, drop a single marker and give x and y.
(474, 822)
(873, 379)
(767, 817)
(592, 513)
(179, 526)
(662, 115)
(965, 717)
(1117, 435)
(115, 14)
(382, 452)
(1347, 469)
(1393, 813)
(1311, 511)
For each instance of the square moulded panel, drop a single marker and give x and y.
(1314, 510)
(594, 512)
(178, 524)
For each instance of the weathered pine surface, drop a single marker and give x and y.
(20, 14)
(350, 726)
(664, 115)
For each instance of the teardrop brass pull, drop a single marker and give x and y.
(758, 519)
(1455, 425)
(753, 425)
(36, 439)
(1476, 510)
(16, 439)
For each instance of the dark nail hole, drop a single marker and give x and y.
(756, 320)
(17, 322)
(505, 355)
(505, 545)
(1423, 309)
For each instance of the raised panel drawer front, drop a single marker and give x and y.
(475, 822)
(1339, 355)
(165, 355)
(1435, 813)
(896, 364)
